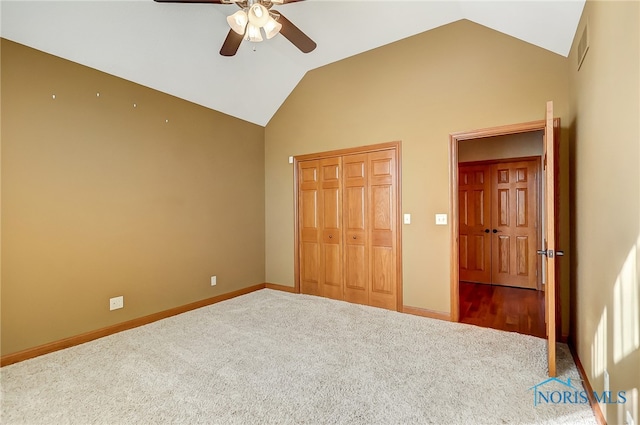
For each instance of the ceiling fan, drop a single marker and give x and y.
(254, 17)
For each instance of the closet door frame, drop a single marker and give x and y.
(397, 146)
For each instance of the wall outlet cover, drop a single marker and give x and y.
(441, 219)
(116, 302)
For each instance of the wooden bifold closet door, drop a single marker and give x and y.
(498, 207)
(320, 221)
(347, 221)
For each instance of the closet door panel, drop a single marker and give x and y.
(355, 203)
(331, 211)
(311, 267)
(332, 283)
(309, 225)
(382, 219)
(382, 205)
(382, 270)
(331, 246)
(355, 269)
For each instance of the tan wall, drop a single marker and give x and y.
(501, 147)
(418, 90)
(101, 199)
(605, 156)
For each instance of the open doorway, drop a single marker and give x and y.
(500, 229)
(480, 293)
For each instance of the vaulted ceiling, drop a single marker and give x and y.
(174, 48)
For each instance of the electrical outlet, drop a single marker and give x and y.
(213, 281)
(606, 381)
(116, 302)
(441, 219)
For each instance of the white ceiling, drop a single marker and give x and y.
(174, 48)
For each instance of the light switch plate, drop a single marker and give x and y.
(441, 219)
(290, 160)
(407, 219)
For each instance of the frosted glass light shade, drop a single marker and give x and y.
(238, 21)
(272, 27)
(258, 15)
(253, 33)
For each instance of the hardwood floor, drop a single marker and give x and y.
(502, 307)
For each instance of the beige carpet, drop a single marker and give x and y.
(271, 357)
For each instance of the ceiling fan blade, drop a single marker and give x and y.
(231, 43)
(295, 35)
(197, 1)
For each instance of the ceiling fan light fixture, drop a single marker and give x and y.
(238, 21)
(253, 33)
(258, 15)
(272, 28)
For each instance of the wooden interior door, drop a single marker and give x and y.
(550, 160)
(474, 195)
(514, 224)
(309, 226)
(382, 224)
(356, 250)
(331, 221)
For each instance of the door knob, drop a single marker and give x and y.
(330, 236)
(495, 230)
(550, 253)
(487, 230)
